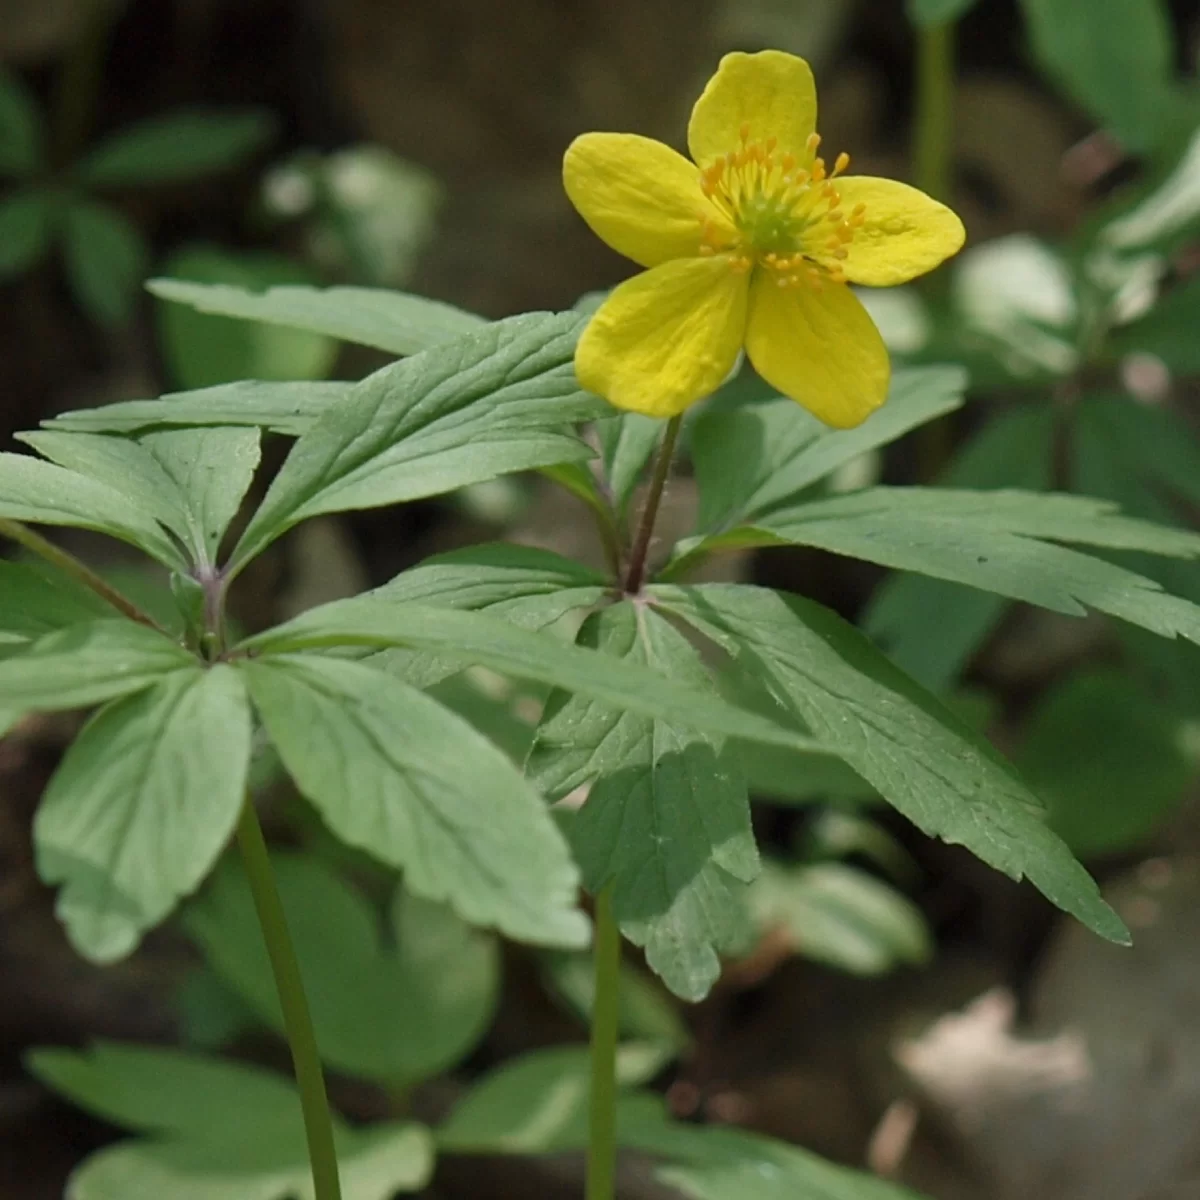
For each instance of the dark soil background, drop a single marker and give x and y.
(486, 96)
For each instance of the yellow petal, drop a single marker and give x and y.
(666, 338)
(638, 195)
(819, 348)
(771, 92)
(905, 233)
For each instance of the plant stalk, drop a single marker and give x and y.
(297, 1021)
(70, 565)
(635, 573)
(602, 1110)
(933, 146)
(934, 134)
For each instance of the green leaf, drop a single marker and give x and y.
(935, 12)
(1168, 331)
(22, 135)
(25, 228)
(398, 776)
(87, 664)
(141, 806)
(484, 640)
(667, 818)
(175, 146)
(1108, 758)
(31, 490)
(841, 916)
(35, 600)
(1004, 542)
(1115, 58)
(627, 440)
(203, 351)
(753, 457)
(533, 1105)
(923, 760)
(217, 1131)
(1012, 450)
(538, 1105)
(385, 320)
(106, 259)
(531, 588)
(491, 403)
(288, 408)
(193, 480)
(397, 1013)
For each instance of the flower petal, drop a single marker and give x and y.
(771, 92)
(819, 348)
(639, 196)
(905, 234)
(666, 338)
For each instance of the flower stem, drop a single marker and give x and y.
(70, 565)
(934, 134)
(635, 573)
(297, 1021)
(602, 1110)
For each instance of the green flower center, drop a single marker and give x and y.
(787, 214)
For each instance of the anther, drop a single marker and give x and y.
(744, 131)
(814, 141)
(843, 161)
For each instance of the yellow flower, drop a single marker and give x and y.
(752, 245)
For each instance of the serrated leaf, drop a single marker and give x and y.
(481, 639)
(385, 320)
(529, 587)
(31, 490)
(106, 259)
(1004, 542)
(1109, 759)
(753, 457)
(667, 818)
(35, 601)
(627, 440)
(203, 351)
(841, 916)
(22, 135)
(1113, 57)
(290, 408)
(175, 146)
(935, 12)
(395, 774)
(1012, 451)
(193, 480)
(491, 403)
(26, 223)
(87, 664)
(217, 1130)
(397, 1013)
(924, 761)
(141, 806)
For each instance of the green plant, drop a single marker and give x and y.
(667, 700)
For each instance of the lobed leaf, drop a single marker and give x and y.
(667, 818)
(141, 806)
(395, 774)
(487, 404)
(106, 258)
(924, 761)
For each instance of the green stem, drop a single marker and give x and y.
(602, 1111)
(636, 572)
(934, 135)
(70, 565)
(933, 146)
(297, 1021)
